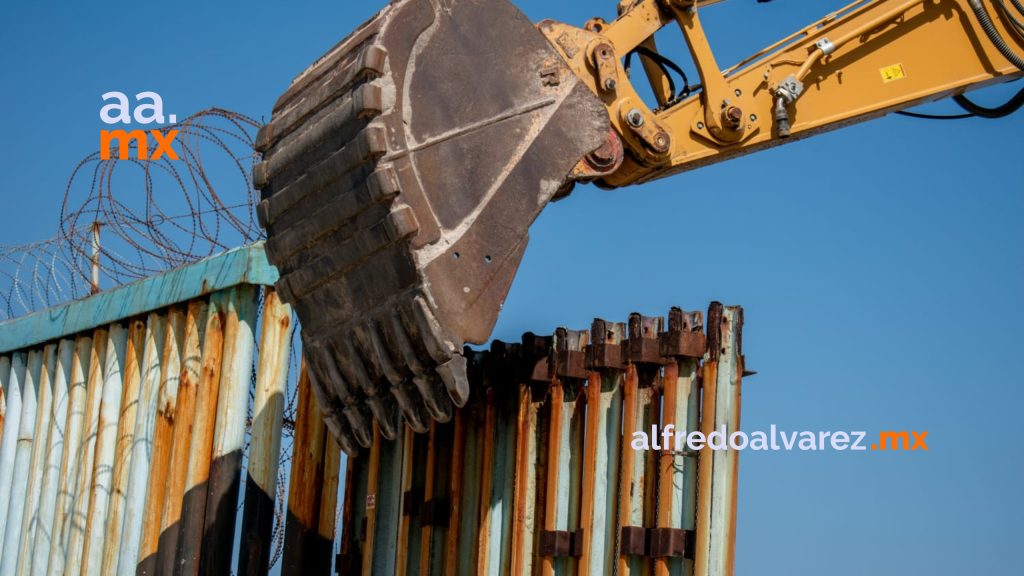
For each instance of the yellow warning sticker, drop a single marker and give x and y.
(893, 73)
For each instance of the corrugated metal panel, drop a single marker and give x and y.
(37, 465)
(229, 431)
(200, 452)
(166, 544)
(102, 474)
(49, 555)
(140, 336)
(161, 333)
(75, 525)
(159, 472)
(35, 550)
(9, 442)
(22, 461)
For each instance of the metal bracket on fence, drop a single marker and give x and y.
(671, 543)
(643, 345)
(570, 356)
(633, 541)
(350, 563)
(537, 355)
(657, 542)
(561, 543)
(603, 352)
(436, 512)
(685, 336)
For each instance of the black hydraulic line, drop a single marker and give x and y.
(934, 116)
(973, 109)
(981, 13)
(664, 70)
(665, 64)
(1003, 111)
(1018, 26)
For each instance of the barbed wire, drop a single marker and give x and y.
(34, 276)
(145, 230)
(122, 220)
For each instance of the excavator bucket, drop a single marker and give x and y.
(400, 175)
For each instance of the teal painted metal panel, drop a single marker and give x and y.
(244, 265)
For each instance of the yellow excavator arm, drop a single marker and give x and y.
(401, 172)
(868, 59)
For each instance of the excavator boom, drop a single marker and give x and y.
(401, 172)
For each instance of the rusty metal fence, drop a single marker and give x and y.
(126, 420)
(142, 431)
(538, 475)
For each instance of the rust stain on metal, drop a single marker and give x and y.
(451, 557)
(328, 512)
(74, 534)
(486, 481)
(132, 379)
(667, 462)
(193, 511)
(69, 461)
(704, 467)
(629, 401)
(307, 479)
(525, 488)
(555, 399)
(163, 439)
(223, 488)
(401, 564)
(183, 421)
(105, 446)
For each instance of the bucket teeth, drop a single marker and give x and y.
(361, 423)
(453, 373)
(386, 412)
(333, 413)
(343, 432)
(438, 404)
(412, 407)
(399, 177)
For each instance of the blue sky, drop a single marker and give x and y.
(881, 266)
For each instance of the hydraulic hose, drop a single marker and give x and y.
(1018, 6)
(990, 30)
(1010, 107)
(1018, 26)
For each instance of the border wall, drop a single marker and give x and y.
(141, 433)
